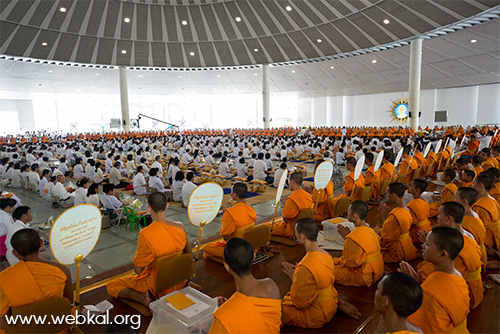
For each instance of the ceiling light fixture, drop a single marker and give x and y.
(140, 75)
(191, 53)
(386, 21)
(180, 76)
(293, 71)
(62, 10)
(255, 50)
(319, 40)
(238, 19)
(97, 74)
(288, 8)
(184, 23)
(44, 44)
(473, 40)
(255, 74)
(50, 71)
(218, 76)
(374, 61)
(332, 67)
(127, 20)
(124, 52)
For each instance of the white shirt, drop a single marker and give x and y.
(114, 201)
(139, 183)
(224, 170)
(98, 176)
(177, 190)
(92, 199)
(47, 191)
(34, 178)
(130, 167)
(16, 178)
(109, 164)
(187, 189)
(80, 195)
(115, 176)
(259, 170)
(209, 160)
(63, 168)
(78, 172)
(90, 172)
(277, 177)
(41, 186)
(155, 182)
(186, 158)
(60, 191)
(156, 164)
(5, 222)
(16, 226)
(241, 170)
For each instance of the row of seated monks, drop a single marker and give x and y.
(435, 297)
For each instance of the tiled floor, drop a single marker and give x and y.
(116, 245)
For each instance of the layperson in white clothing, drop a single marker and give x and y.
(177, 186)
(63, 167)
(115, 177)
(112, 196)
(33, 176)
(242, 170)
(157, 165)
(188, 188)
(81, 192)
(224, 168)
(92, 195)
(61, 192)
(48, 190)
(78, 171)
(99, 175)
(130, 165)
(7, 205)
(139, 181)
(16, 176)
(260, 168)
(43, 182)
(90, 170)
(155, 182)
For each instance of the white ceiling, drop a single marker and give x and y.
(448, 61)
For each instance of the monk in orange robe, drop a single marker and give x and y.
(419, 209)
(476, 162)
(473, 146)
(325, 202)
(312, 300)
(446, 299)
(32, 279)
(408, 165)
(398, 296)
(298, 201)
(488, 210)
(384, 174)
(361, 263)
(370, 172)
(349, 184)
(487, 160)
(447, 193)
(255, 307)
(468, 262)
(395, 240)
(471, 223)
(160, 239)
(236, 221)
(494, 192)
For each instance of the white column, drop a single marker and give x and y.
(415, 74)
(124, 98)
(265, 96)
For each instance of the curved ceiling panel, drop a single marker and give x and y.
(214, 33)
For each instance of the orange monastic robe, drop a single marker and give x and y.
(155, 241)
(369, 175)
(476, 227)
(408, 165)
(447, 195)
(384, 173)
(234, 315)
(488, 211)
(312, 300)
(361, 263)
(27, 283)
(495, 192)
(298, 201)
(445, 305)
(468, 263)
(491, 162)
(395, 241)
(237, 220)
(326, 206)
(419, 210)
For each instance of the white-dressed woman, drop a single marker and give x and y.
(92, 194)
(155, 181)
(177, 186)
(78, 171)
(224, 168)
(81, 192)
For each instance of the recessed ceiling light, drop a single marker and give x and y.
(180, 76)
(62, 10)
(50, 71)
(92, 87)
(473, 40)
(97, 74)
(386, 21)
(255, 74)
(332, 67)
(140, 75)
(288, 8)
(44, 44)
(127, 20)
(293, 71)
(191, 53)
(319, 40)
(124, 51)
(255, 50)
(238, 19)
(218, 76)
(374, 61)
(184, 23)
